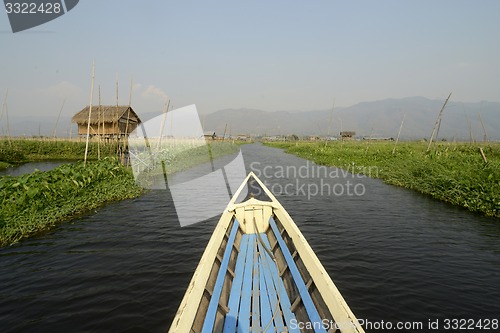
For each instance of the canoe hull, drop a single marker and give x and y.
(278, 259)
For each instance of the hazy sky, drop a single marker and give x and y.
(271, 55)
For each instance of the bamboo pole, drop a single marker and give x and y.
(125, 138)
(162, 125)
(128, 112)
(471, 137)
(57, 121)
(341, 136)
(469, 126)
(116, 128)
(329, 129)
(224, 135)
(90, 112)
(482, 155)
(399, 133)
(437, 131)
(437, 122)
(103, 127)
(486, 138)
(98, 126)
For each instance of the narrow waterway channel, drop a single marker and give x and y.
(395, 255)
(31, 167)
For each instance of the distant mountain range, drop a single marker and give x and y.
(368, 119)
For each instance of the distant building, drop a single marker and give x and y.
(243, 137)
(347, 135)
(378, 139)
(210, 135)
(107, 120)
(274, 138)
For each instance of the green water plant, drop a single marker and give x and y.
(34, 203)
(452, 172)
(15, 151)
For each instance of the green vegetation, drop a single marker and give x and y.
(185, 159)
(34, 203)
(4, 165)
(454, 173)
(180, 155)
(17, 151)
(175, 156)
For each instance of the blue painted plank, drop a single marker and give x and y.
(246, 292)
(280, 287)
(311, 310)
(266, 312)
(274, 300)
(209, 322)
(255, 328)
(235, 296)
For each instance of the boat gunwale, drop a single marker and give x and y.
(332, 297)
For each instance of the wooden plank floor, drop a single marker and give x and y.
(258, 301)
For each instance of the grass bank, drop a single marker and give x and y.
(451, 172)
(17, 151)
(177, 156)
(34, 203)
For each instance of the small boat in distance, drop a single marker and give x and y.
(259, 274)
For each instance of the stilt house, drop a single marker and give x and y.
(107, 120)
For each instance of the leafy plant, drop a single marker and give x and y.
(34, 203)
(451, 172)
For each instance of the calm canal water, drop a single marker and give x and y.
(31, 167)
(395, 255)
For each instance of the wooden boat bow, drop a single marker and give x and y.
(259, 274)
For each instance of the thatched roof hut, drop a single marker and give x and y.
(107, 120)
(347, 135)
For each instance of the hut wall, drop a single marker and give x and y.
(107, 129)
(124, 128)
